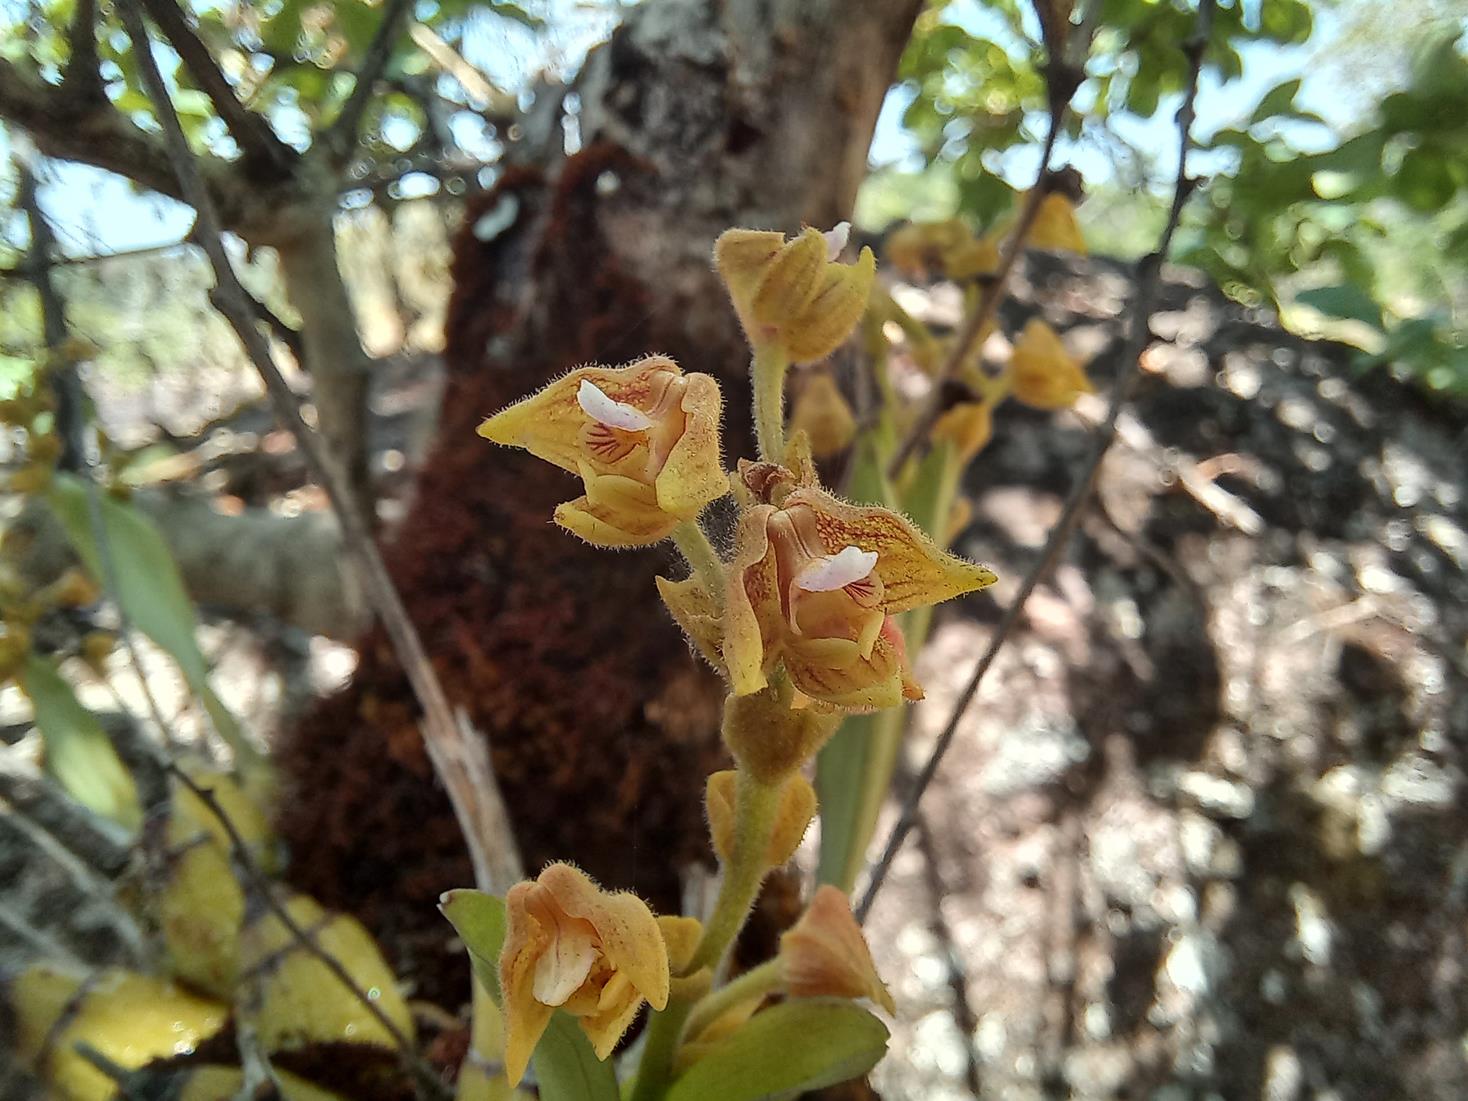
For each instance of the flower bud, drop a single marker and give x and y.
(825, 955)
(792, 818)
(794, 296)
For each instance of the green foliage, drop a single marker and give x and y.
(786, 1050)
(78, 752)
(1370, 228)
(976, 81)
(1326, 230)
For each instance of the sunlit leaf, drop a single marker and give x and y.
(788, 1049)
(149, 587)
(78, 752)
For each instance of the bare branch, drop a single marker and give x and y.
(497, 102)
(81, 78)
(1148, 274)
(342, 137)
(70, 419)
(460, 758)
(95, 133)
(253, 133)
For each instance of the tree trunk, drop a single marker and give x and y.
(695, 117)
(329, 337)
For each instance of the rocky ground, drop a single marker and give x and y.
(1202, 833)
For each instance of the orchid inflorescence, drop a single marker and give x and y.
(800, 617)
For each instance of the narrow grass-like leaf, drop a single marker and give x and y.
(149, 589)
(78, 752)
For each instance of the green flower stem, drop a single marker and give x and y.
(755, 983)
(755, 805)
(768, 372)
(664, 1031)
(693, 543)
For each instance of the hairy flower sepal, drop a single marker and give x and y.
(569, 945)
(644, 439)
(813, 586)
(795, 295)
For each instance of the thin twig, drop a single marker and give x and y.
(127, 1087)
(260, 883)
(460, 758)
(250, 130)
(1149, 270)
(1061, 82)
(340, 140)
(43, 944)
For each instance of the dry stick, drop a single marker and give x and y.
(460, 759)
(263, 888)
(1149, 270)
(1062, 84)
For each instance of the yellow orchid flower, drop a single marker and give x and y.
(795, 295)
(814, 584)
(644, 438)
(569, 945)
(948, 247)
(825, 955)
(822, 413)
(969, 425)
(1055, 227)
(1042, 372)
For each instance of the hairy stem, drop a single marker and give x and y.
(664, 1031)
(693, 543)
(768, 370)
(755, 983)
(755, 804)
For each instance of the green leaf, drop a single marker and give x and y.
(853, 773)
(566, 1067)
(78, 752)
(1345, 300)
(479, 919)
(150, 590)
(783, 1051)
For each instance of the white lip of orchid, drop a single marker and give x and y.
(599, 407)
(836, 238)
(836, 571)
(565, 966)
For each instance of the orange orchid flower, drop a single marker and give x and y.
(644, 438)
(569, 945)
